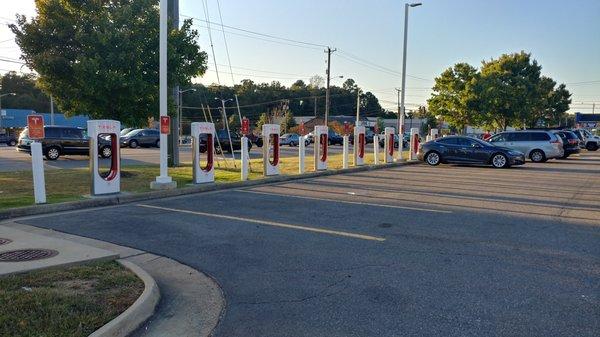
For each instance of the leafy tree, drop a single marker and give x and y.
(100, 58)
(453, 96)
(28, 96)
(288, 121)
(430, 119)
(262, 120)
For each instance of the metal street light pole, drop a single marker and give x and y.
(328, 51)
(180, 110)
(403, 90)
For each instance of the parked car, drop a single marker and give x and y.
(126, 131)
(570, 142)
(141, 137)
(537, 145)
(588, 141)
(257, 140)
(396, 141)
(223, 144)
(291, 139)
(334, 138)
(8, 139)
(63, 140)
(310, 138)
(466, 150)
(369, 135)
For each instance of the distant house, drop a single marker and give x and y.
(17, 118)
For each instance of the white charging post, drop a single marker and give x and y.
(414, 144)
(270, 149)
(110, 182)
(359, 145)
(434, 134)
(301, 148)
(388, 145)
(245, 156)
(321, 136)
(346, 145)
(35, 126)
(203, 173)
(376, 148)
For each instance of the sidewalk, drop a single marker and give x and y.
(191, 303)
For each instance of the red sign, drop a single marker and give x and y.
(165, 125)
(346, 128)
(35, 123)
(245, 126)
(301, 129)
(376, 128)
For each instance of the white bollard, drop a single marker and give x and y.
(388, 145)
(37, 165)
(414, 144)
(301, 154)
(376, 149)
(245, 158)
(345, 152)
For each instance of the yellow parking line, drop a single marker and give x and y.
(270, 223)
(348, 202)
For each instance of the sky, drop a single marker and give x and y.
(563, 36)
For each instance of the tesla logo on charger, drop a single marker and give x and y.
(35, 124)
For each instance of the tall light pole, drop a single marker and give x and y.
(1, 115)
(163, 180)
(328, 51)
(403, 90)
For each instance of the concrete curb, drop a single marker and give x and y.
(142, 309)
(129, 198)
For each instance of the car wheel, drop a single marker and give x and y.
(329, 142)
(537, 156)
(106, 152)
(499, 160)
(157, 144)
(306, 143)
(12, 142)
(52, 153)
(433, 158)
(133, 143)
(591, 147)
(292, 144)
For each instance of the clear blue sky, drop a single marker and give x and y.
(564, 37)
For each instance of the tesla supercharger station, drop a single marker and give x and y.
(270, 147)
(434, 134)
(359, 145)
(203, 174)
(388, 145)
(110, 182)
(414, 143)
(321, 142)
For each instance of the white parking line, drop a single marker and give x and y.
(348, 202)
(270, 223)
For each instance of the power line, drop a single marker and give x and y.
(226, 46)
(205, 8)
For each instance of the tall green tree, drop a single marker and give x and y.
(100, 58)
(28, 95)
(288, 121)
(453, 96)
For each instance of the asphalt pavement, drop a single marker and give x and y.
(407, 251)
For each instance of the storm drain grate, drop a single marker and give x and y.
(4, 241)
(26, 255)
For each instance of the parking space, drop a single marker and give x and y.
(414, 250)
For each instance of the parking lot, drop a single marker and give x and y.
(413, 251)
(11, 160)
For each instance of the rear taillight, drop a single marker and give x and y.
(555, 141)
(573, 141)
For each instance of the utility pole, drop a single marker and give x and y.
(174, 135)
(315, 106)
(328, 51)
(357, 106)
(51, 110)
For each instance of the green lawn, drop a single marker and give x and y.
(69, 302)
(16, 188)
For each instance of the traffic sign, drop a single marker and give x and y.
(165, 125)
(245, 126)
(301, 129)
(346, 128)
(35, 124)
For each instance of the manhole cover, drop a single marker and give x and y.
(4, 241)
(26, 255)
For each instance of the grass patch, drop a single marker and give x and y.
(73, 301)
(16, 188)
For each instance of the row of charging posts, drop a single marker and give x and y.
(109, 183)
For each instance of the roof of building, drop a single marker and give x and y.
(17, 118)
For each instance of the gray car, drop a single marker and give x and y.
(141, 137)
(537, 145)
